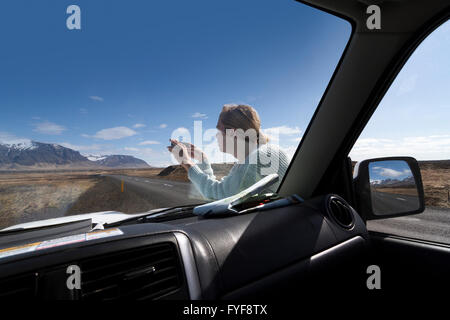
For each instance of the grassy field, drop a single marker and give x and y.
(436, 184)
(405, 191)
(23, 197)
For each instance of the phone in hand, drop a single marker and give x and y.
(172, 145)
(188, 145)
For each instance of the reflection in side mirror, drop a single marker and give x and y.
(388, 187)
(392, 187)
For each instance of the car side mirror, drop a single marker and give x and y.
(388, 187)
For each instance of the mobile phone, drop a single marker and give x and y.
(185, 143)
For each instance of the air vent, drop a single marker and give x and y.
(145, 273)
(18, 288)
(341, 212)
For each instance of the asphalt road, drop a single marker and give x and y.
(389, 203)
(432, 225)
(160, 193)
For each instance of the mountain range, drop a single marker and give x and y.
(37, 155)
(408, 181)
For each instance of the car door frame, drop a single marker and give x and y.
(324, 166)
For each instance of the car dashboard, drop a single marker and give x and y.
(259, 254)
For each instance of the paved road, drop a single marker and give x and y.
(389, 203)
(159, 192)
(433, 225)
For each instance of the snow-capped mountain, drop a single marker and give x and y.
(408, 181)
(94, 157)
(21, 145)
(33, 155)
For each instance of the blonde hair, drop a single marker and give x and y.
(241, 116)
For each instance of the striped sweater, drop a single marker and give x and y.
(263, 161)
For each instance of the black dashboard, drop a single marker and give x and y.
(259, 254)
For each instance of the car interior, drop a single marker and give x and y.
(315, 243)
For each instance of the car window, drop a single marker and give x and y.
(413, 120)
(92, 92)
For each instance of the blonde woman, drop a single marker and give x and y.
(239, 134)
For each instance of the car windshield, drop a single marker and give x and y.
(128, 106)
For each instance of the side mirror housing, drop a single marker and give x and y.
(388, 187)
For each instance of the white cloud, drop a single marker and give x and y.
(181, 134)
(200, 115)
(154, 158)
(115, 133)
(130, 149)
(390, 173)
(47, 127)
(433, 147)
(274, 133)
(163, 125)
(148, 142)
(96, 98)
(139, 125)
(282, 130)
(6, 138)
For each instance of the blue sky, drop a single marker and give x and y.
(138, 70)
(413, 119)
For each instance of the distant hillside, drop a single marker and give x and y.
(31, 155)
(434, 164)
(121, 161)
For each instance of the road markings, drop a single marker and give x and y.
(409, 218)
(401, 199)
(168, 185)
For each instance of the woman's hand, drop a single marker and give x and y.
(181, 153)
(195, 153)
